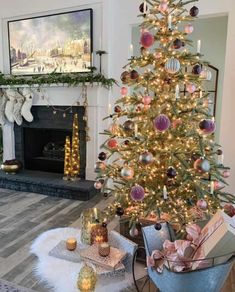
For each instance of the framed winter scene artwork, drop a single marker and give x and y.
(60, 43)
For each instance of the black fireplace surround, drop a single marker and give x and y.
(40, 145)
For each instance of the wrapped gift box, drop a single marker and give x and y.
(217, 240)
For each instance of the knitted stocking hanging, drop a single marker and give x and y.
(3, 101)
(26, 108)
(10, 105)
(17, 108)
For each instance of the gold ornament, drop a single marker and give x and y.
(87, 279)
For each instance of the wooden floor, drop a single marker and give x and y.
(23, 216)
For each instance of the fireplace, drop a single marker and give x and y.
(40, 144)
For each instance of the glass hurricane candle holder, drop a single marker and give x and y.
(99, 234)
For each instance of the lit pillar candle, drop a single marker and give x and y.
(136, 130)
(131, 50)
(109, 109)
(95, 213)
(177, 91)
(169, 21)
(145, 7)
(212, 188)
(165, 193)
(199, 44)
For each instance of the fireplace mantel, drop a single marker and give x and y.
(62, 95)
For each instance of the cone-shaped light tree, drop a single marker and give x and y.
(160, 153)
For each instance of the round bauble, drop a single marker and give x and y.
(137, 193)
(226, 174)
(125, 77)
(202, 165)
(146, 99)
(167, 81)
(127, 173)
(129, 126)
(176, 123)
(134, 75)
(120, 211)
(98, 185)
(133, 231)
(177, 44)
(102, 156)
(202, 204)
(219, 152)
(206, 74)
(100, 166)
(171, 172)
(141, 8)
(172, 66)
(194, 11)
(87, 279)
(207, 126)
(127, 142)
(189, 28)
(191, 88)
(112, 143)
(146, 158)
(218, 185)
(158, 226)
(147, 39)
(157, 55)
(161, 123)
(124, 91)
(163, 7)
(197, 69)
(117, 109)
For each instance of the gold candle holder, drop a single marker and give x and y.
(99, 234)
(71, 244)
(104, 249)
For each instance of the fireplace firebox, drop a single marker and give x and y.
(40, 145)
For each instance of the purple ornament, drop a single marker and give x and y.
(137, 193)
(147, 39)
(161, 123)
(197, 69)
(207, 126)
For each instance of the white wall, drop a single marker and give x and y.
(117, 20)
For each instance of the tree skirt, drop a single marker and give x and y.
(6, 286)
(62, 275)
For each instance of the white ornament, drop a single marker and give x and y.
(26, 108)
(17, 109)
(3, 101)
(191, 88)
(10, 105)
(163, 7)
(172, 66)
(189, 29)
(206, 74)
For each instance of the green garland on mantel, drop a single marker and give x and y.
(70, 79)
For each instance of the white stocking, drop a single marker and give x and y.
(10, 105)
(17, 109)
(26, 108)
(3, 101)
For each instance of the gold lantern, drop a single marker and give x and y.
(87, 279)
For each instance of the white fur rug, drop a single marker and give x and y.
(62, 275)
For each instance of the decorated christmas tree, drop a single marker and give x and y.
(75, 155)
(160, 158)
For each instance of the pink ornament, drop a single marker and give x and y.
(146, 99)
(147, 39)
(202, 204)
(161, 123)
(112, 143)
(163, 7)
(226, 174)
(191, 88)
(217, 185)
(124, 91)
(189, 29)
(137, 193)
(157, 55)
(176, 123)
